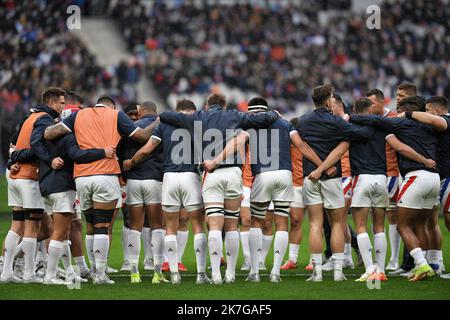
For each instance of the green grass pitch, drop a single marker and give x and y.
(293, 285)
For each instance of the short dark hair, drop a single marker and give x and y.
(321, 94)
(149, 106)
(408, 87)
(413, 103)
(377, 93)
(131, 107)
(74, 97)
(106, 100)
(438, 101)
(258, 101)
(185, 105)
(361, 105)
(52, 93)
(216, 98)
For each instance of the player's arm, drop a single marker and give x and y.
(332, 158)
(142, 153)
(39, 146)
(409, 152)
(378, 122)
(438, 123)
(61, 129)
(85, 156)
(350, 132)
(178, 119)
(305, 149)
(143, 135)
(235, 144)
(257, 120)
(23, 156)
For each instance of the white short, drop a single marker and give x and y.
(347, 187)
(272, 186)
(445, 195)
(419, 190)
(369, 191)
(327, 192)
(246, 199)
(222, 184)
(24, 193)
(298, 198)
(101, 188)
(181, 189)
(143, 192)
(61, 202)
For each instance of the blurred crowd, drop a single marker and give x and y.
(282, 52)
(37, 50)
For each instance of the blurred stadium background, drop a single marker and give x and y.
(161, 50)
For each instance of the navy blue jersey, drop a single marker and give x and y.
(37, 140)
(444, 150)
(151, 167)
(218, 126)
(270, 148)
(418, 136)
(125, 125)
(369, 156)
(323, 131)
(61, 180)
(177, 148)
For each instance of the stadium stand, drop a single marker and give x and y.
(37, 51)
(281, 51)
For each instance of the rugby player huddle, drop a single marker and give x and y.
(235, 172)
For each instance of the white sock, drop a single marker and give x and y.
(232, 249)
(42, 252)
(433, 257)
(66, 257)
(39, 254)
(29, 251)
(279, 250)
(11, 241)
(90, 249)
(133, 246)
(266, 243)
(255, 243)
(245, 245)
(101, 248)
(157, 245)
(215, 250)
(18, 248)
(441, 259)
(394, 238)
(348, 252)
(55, 249)
(293, 252)
(146, 241)
(125, 242)
(380, 246)
(81, 263)
(182, 238)
(171, 249)
(365, 248)
(200, 251)
(338, 261)
(419, 259)
(316, 260)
